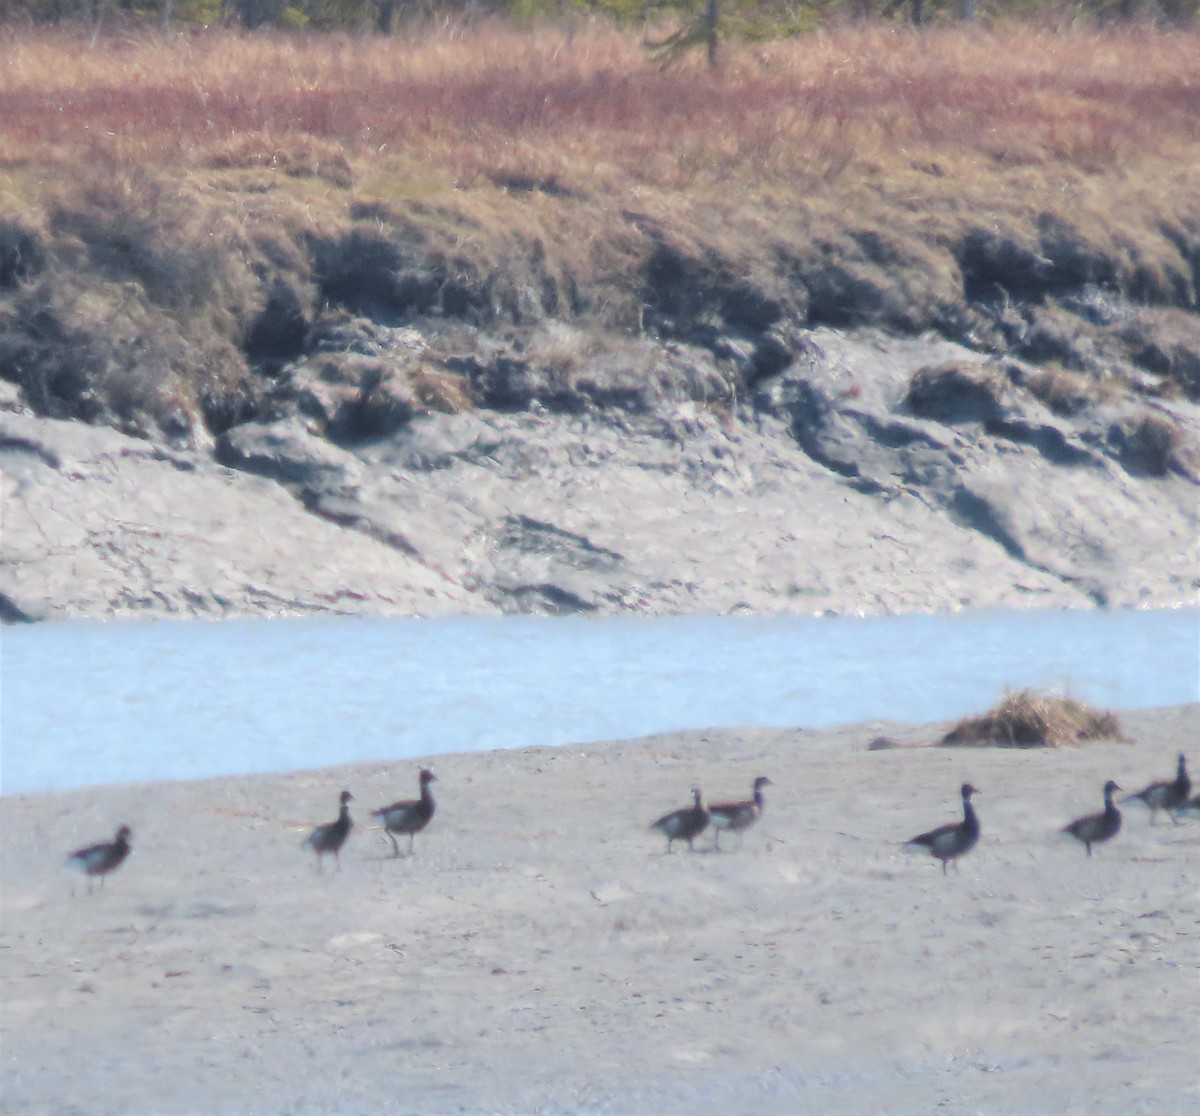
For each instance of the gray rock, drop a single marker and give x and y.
(102, 525)
(666, 486)
(1059, 495)
(287, 452)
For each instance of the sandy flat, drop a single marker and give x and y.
(540, 952)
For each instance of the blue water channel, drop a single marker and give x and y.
(88, 703)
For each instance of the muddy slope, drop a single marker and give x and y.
(406, 470)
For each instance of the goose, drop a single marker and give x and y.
(330, 838)
(738, 816)
(100, 859)
(948, 842)
(1095, 828)
(1165, 796)
(685, 824)
(411, 816)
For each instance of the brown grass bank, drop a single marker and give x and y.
(179, 211)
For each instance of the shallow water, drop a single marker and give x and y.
(88, 703)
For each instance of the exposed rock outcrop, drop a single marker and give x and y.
(797, 471)
(99, 524)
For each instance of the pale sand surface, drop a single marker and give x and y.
(540, 953)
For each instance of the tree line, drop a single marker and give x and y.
(702, 20)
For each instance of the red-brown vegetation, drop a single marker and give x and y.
(592, 112)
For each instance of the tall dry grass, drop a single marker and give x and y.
(590, 112)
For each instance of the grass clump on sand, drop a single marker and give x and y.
(1028, 719)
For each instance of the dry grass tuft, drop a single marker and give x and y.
(1166, 340)
(957, 392)
(1069, 393)
(1152, 443)
(439, 390)
(1028, 719)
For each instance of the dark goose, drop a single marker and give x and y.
(1169, 796)
(1094, 828)
(330, 838)
(948, 842)
(686, 824)
(737, 817)
(99, 860)
(410, 816)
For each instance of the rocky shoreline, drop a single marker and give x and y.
(813, 471)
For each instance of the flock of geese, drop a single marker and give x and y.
(946, 843)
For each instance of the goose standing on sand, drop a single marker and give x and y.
(330, 838)
(99, 860)
(948, 842)
(1094, 828)
(686, 824)
(411, 816)
(738, 816)
(1166, 796)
